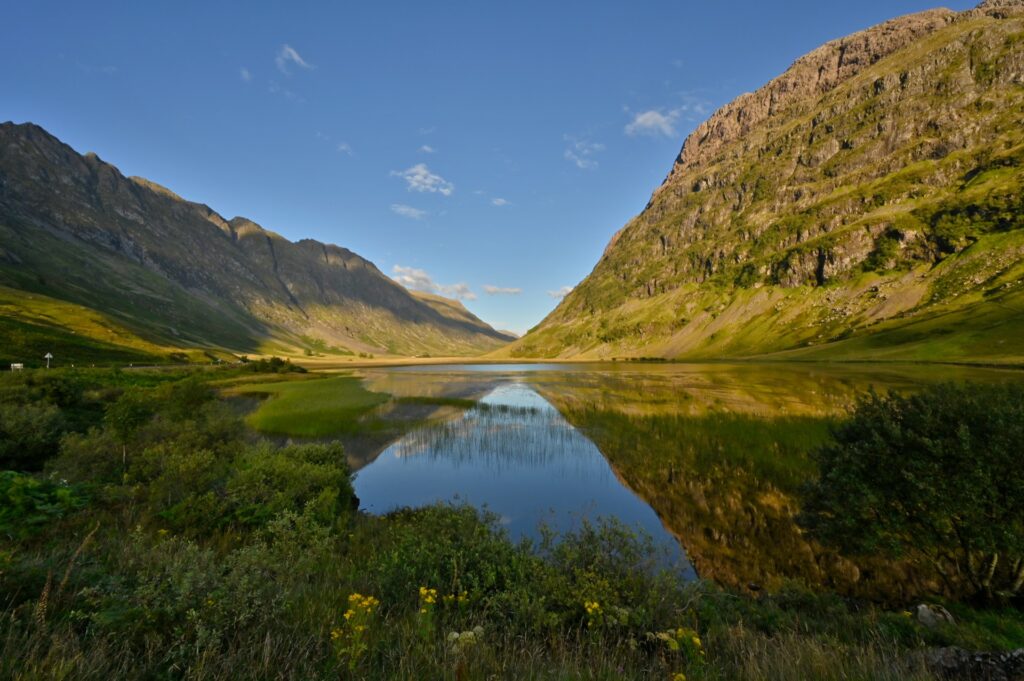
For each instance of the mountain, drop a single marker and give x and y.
(124, 265)
(457, 312)
(866, 204)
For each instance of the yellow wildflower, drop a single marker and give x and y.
(679, 676)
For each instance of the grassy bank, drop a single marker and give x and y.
(151, 536)
(312, 407)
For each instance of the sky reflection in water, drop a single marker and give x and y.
(516, 456)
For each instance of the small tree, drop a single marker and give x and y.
(125, 416)
(938, 475)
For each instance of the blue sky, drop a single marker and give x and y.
(488, 150)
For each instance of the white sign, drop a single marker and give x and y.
(17, 367)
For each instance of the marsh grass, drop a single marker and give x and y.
(310, 408)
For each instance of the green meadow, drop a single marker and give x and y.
(311, 407)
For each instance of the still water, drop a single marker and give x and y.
(707, 460)
(517, 457)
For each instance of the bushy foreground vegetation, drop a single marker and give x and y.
(936, 476)
(147, 534)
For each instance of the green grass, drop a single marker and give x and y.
(985, 332)
(32, 324)
(312, 407)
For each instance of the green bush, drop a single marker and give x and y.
(29, 434)
(936, 476)
(266, 481)
(453, 550)
(273, 365)
(27, 504)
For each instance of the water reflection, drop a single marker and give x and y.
(719, 452)
(515, 455)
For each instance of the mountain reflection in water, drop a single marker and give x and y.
(516, 456)
(711, 455)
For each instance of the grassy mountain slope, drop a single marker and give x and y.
(456, 311)
(175, 274)
(868, 203)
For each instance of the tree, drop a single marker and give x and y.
(937, 475)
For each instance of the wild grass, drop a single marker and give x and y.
(311, 407)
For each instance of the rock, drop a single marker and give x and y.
(932, 616)
(812, 75)
(957, 663)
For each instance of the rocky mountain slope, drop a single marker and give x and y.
(868, 203)
(75, 231)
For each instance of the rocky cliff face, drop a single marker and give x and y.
(875, 184)
(74, 228)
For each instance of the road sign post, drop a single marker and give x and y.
(48, 357)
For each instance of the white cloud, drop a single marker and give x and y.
(287, 56)
(420, 179)
(501, 291)
(561, 293)
(419, 280)
(581, 152)
(657, 122)
(408, 211)
(458, 292)
(653, 123)
(427, 149)
(497, 201)
(345, 148)
(246, 74)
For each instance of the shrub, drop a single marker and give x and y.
(935, 475)
(266, 481)
(451, 549)
(273, 365)
(29, 434)
(27, 504)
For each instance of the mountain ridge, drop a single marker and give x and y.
(179, 273)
